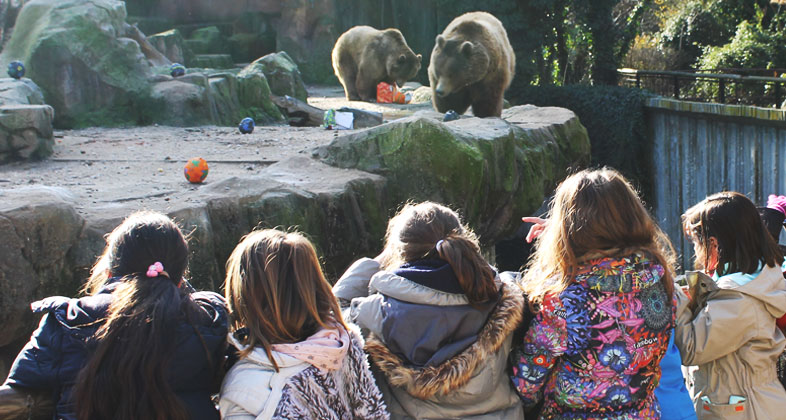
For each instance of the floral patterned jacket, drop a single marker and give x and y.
(593, 352)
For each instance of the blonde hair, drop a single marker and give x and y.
(275, 288)
(431, 230)
(594, 214)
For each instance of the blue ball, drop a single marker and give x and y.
(246, 126)
(450, 116)
(16, 69)
(177, 70)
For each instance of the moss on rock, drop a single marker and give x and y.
(493, 171)
(75, 50)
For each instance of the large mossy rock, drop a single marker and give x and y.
(172, 45)
(77, 52)
(282, 75)
(213, 97)
(493, 170)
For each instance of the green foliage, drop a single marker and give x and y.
(614, 118)
(751, 47)
(699, 24)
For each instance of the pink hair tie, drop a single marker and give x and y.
(155, 269)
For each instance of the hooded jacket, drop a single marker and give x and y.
(593, 351)
(59, 348)
(437, 356)
(732, 344)
(253, 389)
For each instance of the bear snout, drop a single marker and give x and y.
(440, 89)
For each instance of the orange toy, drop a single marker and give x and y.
(387, 94)
(196, 170)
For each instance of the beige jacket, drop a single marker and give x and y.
(731, 343)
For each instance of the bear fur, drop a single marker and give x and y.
(364, 56)
(471, 64)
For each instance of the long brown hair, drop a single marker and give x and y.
(275, 289)
(431, 230)
(743, 241)
(594, 214)
(126, 376)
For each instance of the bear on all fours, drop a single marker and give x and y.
(363, 57)
(472, 64)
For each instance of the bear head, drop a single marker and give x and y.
(455, 64)
(401, 62)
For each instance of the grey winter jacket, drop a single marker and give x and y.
(466, 376)
(731, 343)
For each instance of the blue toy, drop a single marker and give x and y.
(246, 126)
(450, 116)
(177, 70)
(16, 69)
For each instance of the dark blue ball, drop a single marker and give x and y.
(16, 69)
(177, 69)
(246, 126)
(450, 116)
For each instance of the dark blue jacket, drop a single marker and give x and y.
(58, 350)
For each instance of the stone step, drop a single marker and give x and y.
(213, 61)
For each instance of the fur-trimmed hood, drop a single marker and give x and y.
(455, 372)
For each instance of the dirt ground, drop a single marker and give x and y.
(104, 165)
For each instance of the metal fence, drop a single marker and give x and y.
(704, 86)
(700, 149)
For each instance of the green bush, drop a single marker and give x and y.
(615, 122)
(699, 24)
(751, 47)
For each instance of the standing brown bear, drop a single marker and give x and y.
(364, 56)
(472, 64)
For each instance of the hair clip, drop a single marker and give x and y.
(155, 269)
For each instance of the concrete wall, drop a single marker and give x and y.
(700, 149)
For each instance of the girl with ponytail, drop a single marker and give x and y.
(438, 319)
(138, 344)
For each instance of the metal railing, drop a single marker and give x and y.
(701, 86)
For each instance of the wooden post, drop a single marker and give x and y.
(638, 80)
(676, 87)
(721, 90)
(777, 94)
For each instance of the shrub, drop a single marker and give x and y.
(614, 119)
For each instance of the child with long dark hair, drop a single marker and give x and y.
(600, 280)
(440, 319)
(297, 357)
(138, 345)
(727, 328)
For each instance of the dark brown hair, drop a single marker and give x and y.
(595, 213)
(743, 241)
(126, 376)
(275, 288)
(431, 230)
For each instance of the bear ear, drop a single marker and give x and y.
(420, 58)
(466, 48)
(441, 41)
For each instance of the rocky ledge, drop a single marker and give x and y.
(492, 170)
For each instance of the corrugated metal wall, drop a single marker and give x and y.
(700, 149)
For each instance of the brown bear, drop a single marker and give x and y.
(364, 56)
(472, 64)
